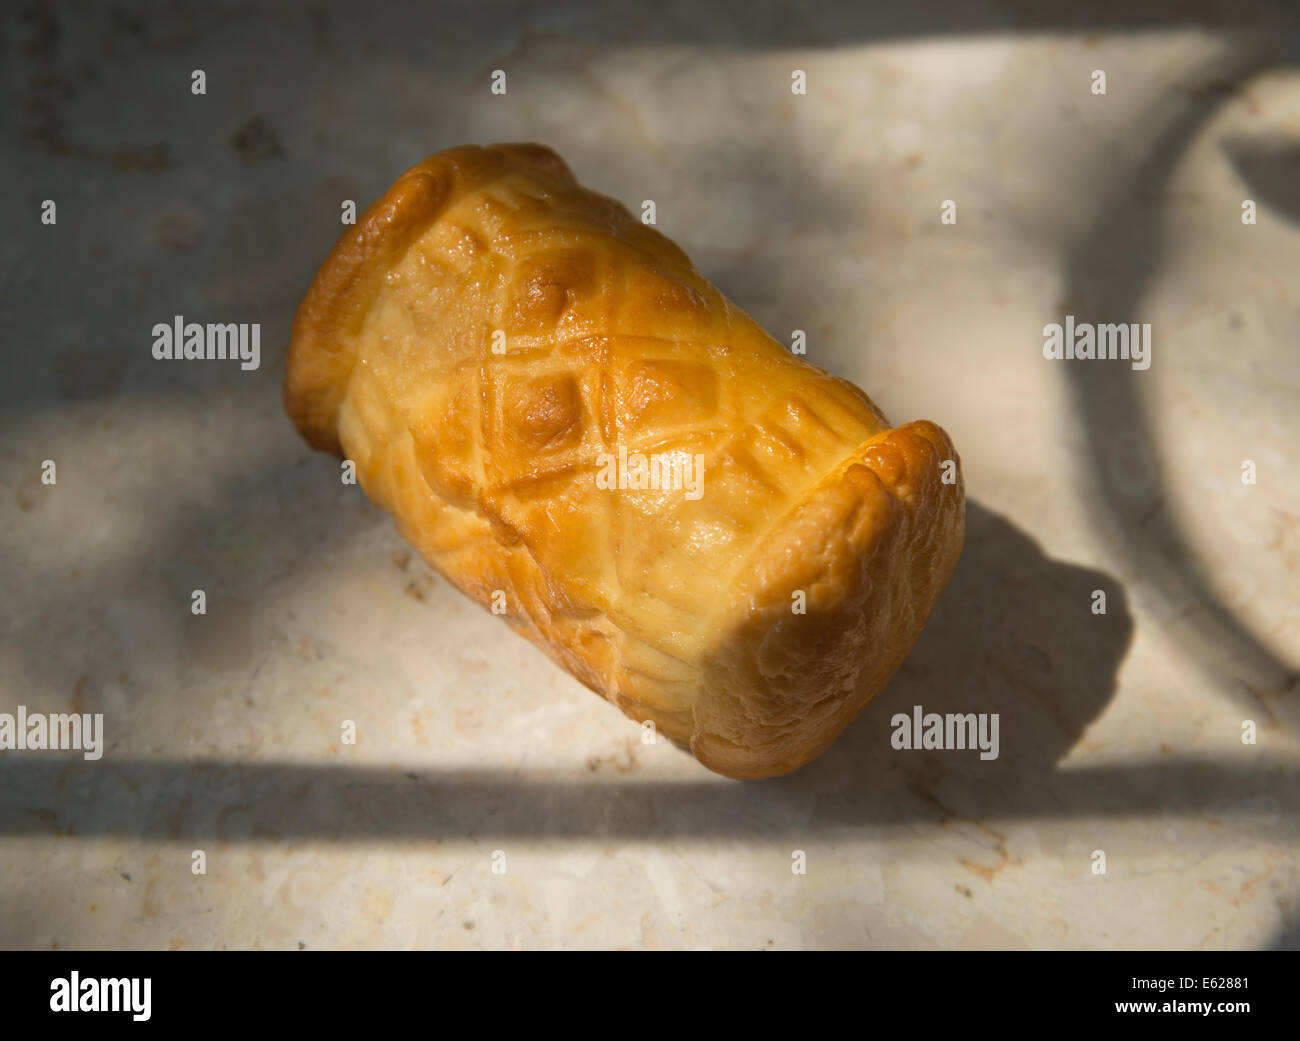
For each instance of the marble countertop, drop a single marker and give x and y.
(1121, 733)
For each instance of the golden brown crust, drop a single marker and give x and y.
(490, 331)
(870, 550)
(323, 338)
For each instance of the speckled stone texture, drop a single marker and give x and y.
(1120, 733)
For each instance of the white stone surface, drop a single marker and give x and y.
(821, 212)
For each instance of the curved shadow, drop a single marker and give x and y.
(1270, 168)
(1107, 274)
(1287, 939)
